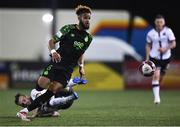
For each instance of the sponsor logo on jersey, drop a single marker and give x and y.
(78, 45)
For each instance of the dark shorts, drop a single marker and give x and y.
(162, 64)
(56, 74)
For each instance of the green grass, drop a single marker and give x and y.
(103, 108)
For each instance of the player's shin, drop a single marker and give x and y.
(71, 83)
(63, 100)
(156, 91)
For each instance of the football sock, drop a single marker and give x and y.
(71, 83)
(61, 100)
(40, 100)
(156, 89)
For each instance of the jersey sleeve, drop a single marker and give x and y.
(90, 38)
(171, 36)
(35, 93)
(57, 36)
(148, 38)
(62, 32)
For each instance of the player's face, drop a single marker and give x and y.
(24, 100)
(84, 20)
(159, 22)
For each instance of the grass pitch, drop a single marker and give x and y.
(102, 108)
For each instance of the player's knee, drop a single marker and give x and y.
(58, 89)
(55, 87)
(51, 88)
(43, 82)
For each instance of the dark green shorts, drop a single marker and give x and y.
(56, 74)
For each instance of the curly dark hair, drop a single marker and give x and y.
(80, 9)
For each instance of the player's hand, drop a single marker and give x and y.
(56, 57)
(162, 50)
(82, 72)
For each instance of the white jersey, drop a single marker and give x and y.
(160, 39)
(35, 93)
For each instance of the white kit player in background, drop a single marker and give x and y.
(160, 40)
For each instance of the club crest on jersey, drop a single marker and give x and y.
(86, 39)
(72, 35)
(78, 45)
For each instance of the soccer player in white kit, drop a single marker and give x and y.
(160, 40)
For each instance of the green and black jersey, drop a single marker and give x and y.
(73, 43)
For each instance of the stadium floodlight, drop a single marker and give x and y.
(47, 18)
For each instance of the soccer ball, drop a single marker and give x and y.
(147, 68)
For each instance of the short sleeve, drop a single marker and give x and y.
(148, 38)
(57, 36)
(63, 31)
(171, 36)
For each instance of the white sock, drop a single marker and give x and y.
(60, 100)
(71, 83)
(24, 110)
(156, 92)
(156, 89)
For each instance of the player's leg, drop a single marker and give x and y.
(40, 100)
(156, 86)
(162, 74)
(47, 110)
(155, 81)
(43, 82)
(59, 101)
(59, 80)
(46, 96)
(164, 67)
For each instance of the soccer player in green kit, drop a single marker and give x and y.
(74, 40)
